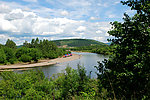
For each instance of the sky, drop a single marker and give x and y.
(22, 20)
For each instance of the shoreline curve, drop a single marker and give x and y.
(39, 64)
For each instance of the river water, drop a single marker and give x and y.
(88, 60)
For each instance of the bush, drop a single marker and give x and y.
(25, 58)
(31, 85)
(12, 60)
(21, 51)
(24, 86)
(35, 54)
(74, 82)
(10, 53)
(52, 55)
(2, 56)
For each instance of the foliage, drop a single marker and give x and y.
(26, 44)
(10, 44)
(7, 55)
(22, 51)
(33, 85)
(1, 46)
(34, 51)
(13, 60)
(100, 49)
(47, 48)
(25, 58)
(72, 82)
(21, 86)
(30, 53)
(2, 56)
(10, 54)
(77, 42)
(126, 75)
(35, 54)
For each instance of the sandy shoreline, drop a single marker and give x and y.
(43, 63)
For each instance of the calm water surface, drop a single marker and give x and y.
(88, 60)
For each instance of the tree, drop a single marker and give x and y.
(31, 53)
(35, 54)
(33, 43)
(48, 49)
(25, 58)
(44, 48)
(2, 56)
(36, 43)
(1, 46)
(21, 51)
(126, 74)
(10, 54)
(10, 44)
(26, 44)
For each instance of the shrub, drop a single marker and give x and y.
(25, 58)
(2, 56)
(35, 54)
(10, 53)
(12, 60)
(32, 85)
(21, 51)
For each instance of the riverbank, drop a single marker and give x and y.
(41, 63)
(82, 51)
(88, 51)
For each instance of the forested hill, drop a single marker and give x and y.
(77, 42)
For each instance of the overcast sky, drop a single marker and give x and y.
(22, 20)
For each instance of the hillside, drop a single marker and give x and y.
(77, 42)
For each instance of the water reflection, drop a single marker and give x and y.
(88, 60)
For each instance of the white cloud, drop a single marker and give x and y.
(99, 31)
(70, 3)
(106, 34)
(130, 12)
(64, 13)
(108, 3)
(99, 38)
(30, 24)
(5, 37)
(81, 34)
(15, 14)
(81, 28)
(117, 2)
(78, 3)
(112, 16)
(4, 8)
(7, 26)
(30, 0)
(29, 15)
(13, 5)
(103, 4)
(94, 18)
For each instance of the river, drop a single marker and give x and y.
(88, 60)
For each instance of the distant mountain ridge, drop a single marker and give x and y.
(77, 42)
